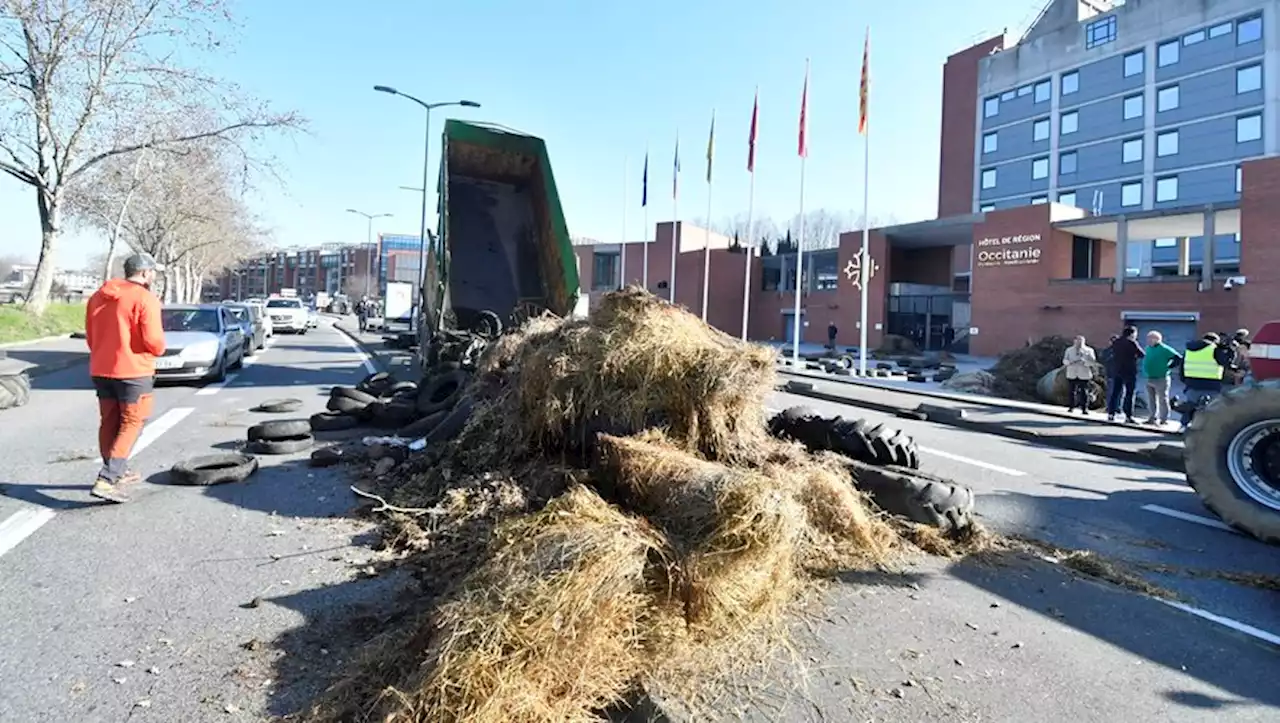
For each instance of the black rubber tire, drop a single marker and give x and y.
(394, 414)
(376, 383)
(855, 439)
(400, 389)
(345, 405)
(916, 495)
(351, 393)
(332, 422)
(442, 392)
(279, 406)
(488, 324)
(326, 457)
(452, 424)
(15, 390)
(213, 469)
(279, 429)
(421, 427)
(284, 445)
(1205, 456)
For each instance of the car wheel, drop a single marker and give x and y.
(220, 373)
(239, 360)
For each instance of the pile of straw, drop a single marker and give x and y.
(632, 512)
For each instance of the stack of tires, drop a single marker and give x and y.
(15, 390)
(402, 407)
(281, 436)
(884, 463)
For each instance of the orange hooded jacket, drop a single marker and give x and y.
(123, 330)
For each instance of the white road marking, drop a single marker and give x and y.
(1235, 625)
(212, 389)
(364, 358)
(974, 462)
(1188, 517)
(21, 524)
(159, 426)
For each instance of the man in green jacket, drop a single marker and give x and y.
(1160, 359)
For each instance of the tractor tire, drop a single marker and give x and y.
(279, 429)
(15, 390)
(421, 427)
(855, 439)
(1232, 458)
(332, 422)
(394, 414)
(442, 392)
(376, 383)
(915, 495)
(352, 393)
(345, 405)
(401, 389)
(213, 469)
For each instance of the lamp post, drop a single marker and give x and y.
(426, 176)
(368, 248)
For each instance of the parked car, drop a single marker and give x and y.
(261, 306)
(251, 320)
(202, 342)
(288, 314)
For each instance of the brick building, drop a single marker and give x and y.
(1117, 164)
(354, 269)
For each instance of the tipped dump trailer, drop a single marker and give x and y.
(503, 251)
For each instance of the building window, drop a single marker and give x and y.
(1069, 123)
(1167, 98)
(1218, 31)
(1249, 30)
(1067, 198)
(1166, 144)
(771, 273)
(991, 107)
(1070, 82)
(1249, 78)
(1193, 38)
(987, 207)
(604, 272)
(990, 142)
(1043, 90)
(1133, 107)
(1166, 189)
(1239, 180)
(1100, 32)
(1131, 194)
(1040, 168)
(1165, 243)
(1167, 54)
(1067, 163)
(989, 178)
(1009, 95)
(1039, 200)
(826, 270)
(1248, 128)
(1040, 130)
(1133, 64)
(1024, 90)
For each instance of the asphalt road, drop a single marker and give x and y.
(133, 612)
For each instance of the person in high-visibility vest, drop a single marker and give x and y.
(1204, 366)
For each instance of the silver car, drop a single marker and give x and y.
(202, 342)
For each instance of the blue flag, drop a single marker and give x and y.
(644, 183)
(675, 176)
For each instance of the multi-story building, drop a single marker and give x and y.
(1081, 169)
(353, 269)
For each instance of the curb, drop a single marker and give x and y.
(41, 340)
(1163, 456)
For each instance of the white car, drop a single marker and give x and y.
(266, 318)
(288, 315)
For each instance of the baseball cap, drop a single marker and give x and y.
(140, 262)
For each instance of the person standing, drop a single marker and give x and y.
(362, 313)
(1160, 359)
(1204, 367)
(124, 333)
(831, 335)
(1123, 384)
(1079, 360)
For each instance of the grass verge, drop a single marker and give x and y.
(16, 324)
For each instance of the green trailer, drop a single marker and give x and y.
(503, 248)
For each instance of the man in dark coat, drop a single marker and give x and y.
(1122, 375)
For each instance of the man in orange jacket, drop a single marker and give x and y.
(123, 329)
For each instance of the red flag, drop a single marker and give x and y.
(804, 110)
(866, 84)
(751, 141)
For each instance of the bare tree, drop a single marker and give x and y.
(358, 285)
(78, 76)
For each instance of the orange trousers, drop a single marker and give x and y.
(123, 408)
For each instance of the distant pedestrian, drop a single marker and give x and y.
(1123, 384)
(948, 337)
(362, 313)
(1156, 365)
(1079, 360)
(831, 335)
(124, 333)
(1205, 364)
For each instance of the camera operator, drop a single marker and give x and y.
(1206, 365)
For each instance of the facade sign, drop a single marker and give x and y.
(1023, 250)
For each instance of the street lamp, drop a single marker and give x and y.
(368, 248)
(426, 175)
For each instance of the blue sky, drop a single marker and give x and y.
(598, 81)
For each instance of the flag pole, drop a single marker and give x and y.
(644, 205)
(746, 273)
(622, 246)
(706, 245)
(796, 320)
(864, 260)
(675, 221)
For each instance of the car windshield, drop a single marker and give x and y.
(240, 313)
(284, 304)
(189, 320)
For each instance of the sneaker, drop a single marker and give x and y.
(104, 490)
(1130, 420)
(1111, 417)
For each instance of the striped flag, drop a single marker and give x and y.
(865, 88)
(644, 183)
(751, 140)
(675, 171)
(711, 145)
(804, 111)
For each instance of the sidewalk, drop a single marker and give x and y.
(43, 356)
(1113, 441)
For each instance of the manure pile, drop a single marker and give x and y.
(614, 515)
